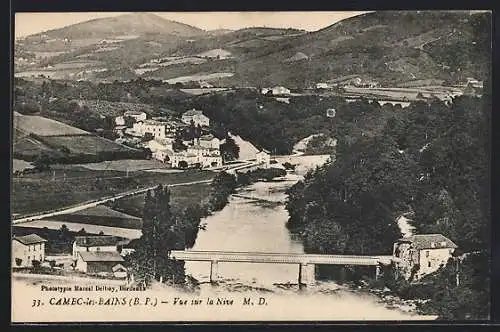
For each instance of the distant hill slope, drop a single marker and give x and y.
(391, 47)
(123, 25)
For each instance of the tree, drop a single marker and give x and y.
(42, 161)
(183, 164)
(222, 185)
(229, 150)
(160, 234)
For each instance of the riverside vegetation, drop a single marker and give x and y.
(165, 229)
(429, 162)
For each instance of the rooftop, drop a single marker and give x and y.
(96, 240)
(207, 137)
(429, 241)
(30, 239)
(101, 256)
(193, 112)
(134, 113)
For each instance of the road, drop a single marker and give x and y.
(94, 203)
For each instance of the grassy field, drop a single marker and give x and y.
(44, 127)
(86, 144)
(126, 164)
(102, 215)
(28, 147)
(180, 198)
(19, 165)
(52, 189)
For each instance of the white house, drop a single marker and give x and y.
(280, 90)
(197, 117)
(205, 85)
(119, 271)
(263, 157)
(138, 116)
(177, 159)
(26, 249)
(421, 254)
(98, 262)
(206, 156)
(158, 129)
(120, 121)
(322, 86)
(95, 243)
(209, 141)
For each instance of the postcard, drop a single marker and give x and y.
(251, 166)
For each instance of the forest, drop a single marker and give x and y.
(430, 163)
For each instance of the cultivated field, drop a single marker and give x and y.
(44, 127)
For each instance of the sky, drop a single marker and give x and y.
(31, 23)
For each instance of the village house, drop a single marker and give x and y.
(206, 156)
(26, 249)
(263, 157)
(183, 159)
(474, 83)
(280, 90)
(95, 243)
(138, 116)
(209, 141)
(205, 85)
(322, 86)
(419, 255)
(99, 262)
(119, 130)
(157, 129)
(120, 121)
(197, 117)
(163, 154)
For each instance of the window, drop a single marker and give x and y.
(98, 248)
(29, 248)
(427, 253)
(40, 246)
(29, 258)
(429, 264)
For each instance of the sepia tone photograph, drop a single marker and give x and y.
(251, 166)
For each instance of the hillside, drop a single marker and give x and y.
(123, 25)
(390, 47)
(36, 135)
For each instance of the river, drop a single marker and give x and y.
(243, 225)
(246, 225)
